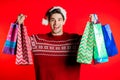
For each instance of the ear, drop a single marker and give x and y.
(64, 22)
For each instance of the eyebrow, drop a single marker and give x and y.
(54, 18)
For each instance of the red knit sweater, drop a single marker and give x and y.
(55, 56)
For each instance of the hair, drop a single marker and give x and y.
(51, 12)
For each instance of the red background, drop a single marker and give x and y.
(78, 12)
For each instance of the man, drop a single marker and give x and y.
(55, 52)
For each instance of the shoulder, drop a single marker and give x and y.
(74, 35)
(38, 36)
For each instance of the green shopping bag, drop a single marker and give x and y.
(100, 52)
(85, 50)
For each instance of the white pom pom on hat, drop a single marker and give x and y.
(44, 21)
(63, 11)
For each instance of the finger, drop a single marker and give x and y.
(22, 15)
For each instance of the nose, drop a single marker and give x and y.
(56, 22)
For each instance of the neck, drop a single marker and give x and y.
(57, 34)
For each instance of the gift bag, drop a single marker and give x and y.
(10, 44)
(100, 53)
(109, 40)
(85, 50)
(23, 52)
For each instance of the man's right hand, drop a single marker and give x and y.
(94, 18)
(21, 18)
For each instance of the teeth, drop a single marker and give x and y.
(55, 27)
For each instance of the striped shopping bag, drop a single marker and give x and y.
(23, 52)
(10, 44)
(85, 50)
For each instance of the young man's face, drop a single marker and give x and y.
(56, 22)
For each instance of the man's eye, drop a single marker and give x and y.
(52, 20)
(59, 19)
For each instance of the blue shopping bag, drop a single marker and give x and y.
(109, 41)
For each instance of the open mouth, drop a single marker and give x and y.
(55, 28)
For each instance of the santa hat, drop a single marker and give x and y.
(63, 11)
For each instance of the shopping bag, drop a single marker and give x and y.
(10, 43)
(85, 50)
(23, 52)
(100, 53)
(109, 41)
